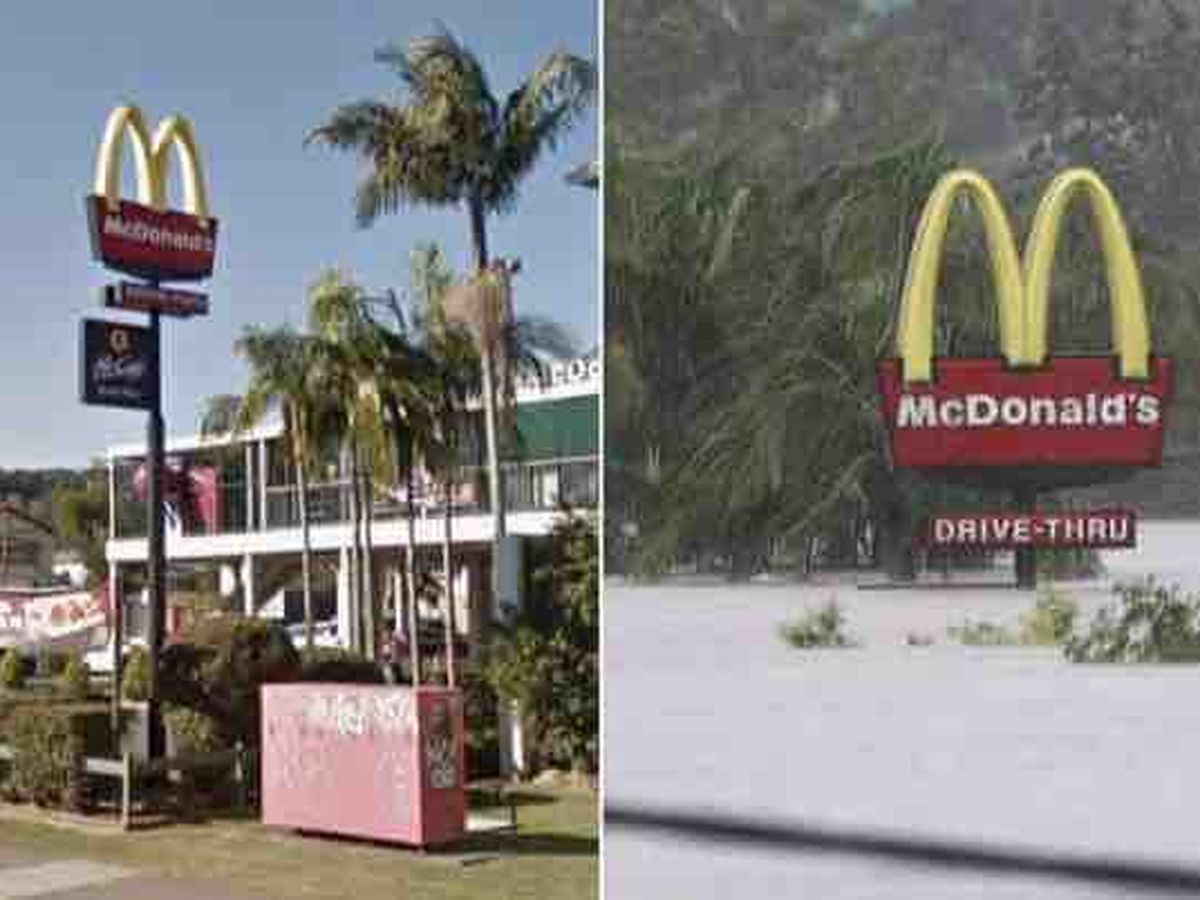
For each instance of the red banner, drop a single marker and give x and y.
(52, 617)
(1100, 528)
(143, 241)
(1074, 411)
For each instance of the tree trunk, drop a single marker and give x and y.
(306, 547)
(368, 489)
(356, 613)
(495, 476)
(448, 573)
(478, 232)
(896, 534)
(410, 571)
(346, 514)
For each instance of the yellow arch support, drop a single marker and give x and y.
(1022, 289)
(152, 160)
(914, 337)
(1130, 329)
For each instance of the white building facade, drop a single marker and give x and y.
(233, 538)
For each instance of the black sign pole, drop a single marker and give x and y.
(1025, 557)
(155, 556)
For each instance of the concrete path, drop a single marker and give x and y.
(24, 876)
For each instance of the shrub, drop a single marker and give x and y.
(192, 732)
(13, 672)
(481, 712)
(1069, 562)
(1153, 624)
(75, 680)
(981, 634)
(135, 675)
(1051, 621)
(547, 657)
(51, 662)
(49, 742)
(824, 627)
(217, 667)
(339, 666)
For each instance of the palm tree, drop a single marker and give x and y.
(281, 374)
(455, 143)
(403, 375)
(456, 374)
(345, 350)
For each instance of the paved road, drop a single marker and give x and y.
(23, 875)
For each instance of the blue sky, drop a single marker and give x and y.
(253, 77)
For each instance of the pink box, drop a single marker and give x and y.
(372, 761)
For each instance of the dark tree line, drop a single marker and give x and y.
(756, 246)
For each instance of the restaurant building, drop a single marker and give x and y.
(233, 537)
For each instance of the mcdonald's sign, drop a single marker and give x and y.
(145, 238)
(1057, 419)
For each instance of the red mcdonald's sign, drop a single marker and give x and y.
(1044, 418)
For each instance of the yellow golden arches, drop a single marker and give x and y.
(1022, 293)
(152, 160)
(915, 334)
(1130, 329)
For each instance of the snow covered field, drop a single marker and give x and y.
(707, 708)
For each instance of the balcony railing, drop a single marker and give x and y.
(528, 487)
(225, 515)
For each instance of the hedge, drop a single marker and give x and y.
(49, 742)
(333, 664)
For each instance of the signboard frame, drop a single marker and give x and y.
(149, 298)
(118, 365)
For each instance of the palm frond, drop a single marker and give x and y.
(219, 415)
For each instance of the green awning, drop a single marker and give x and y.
(559, 429)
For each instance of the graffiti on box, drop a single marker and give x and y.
(441, 754)
(375, 761)
(349, 715)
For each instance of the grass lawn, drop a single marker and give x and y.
(553, 856)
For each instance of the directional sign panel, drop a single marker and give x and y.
(118, 365)
(148, 298)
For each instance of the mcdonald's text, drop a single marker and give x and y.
(1101, 528)
(140, 240)
(1072, 411)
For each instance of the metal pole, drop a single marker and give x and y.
(116, 601)
(1026, 557)
(155, 555)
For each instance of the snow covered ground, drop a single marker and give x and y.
(707, 708)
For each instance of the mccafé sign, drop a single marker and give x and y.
(1024, 408)
(144, 238)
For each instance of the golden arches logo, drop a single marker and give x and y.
(143, 237)
(152, 160)
(1022, 287)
